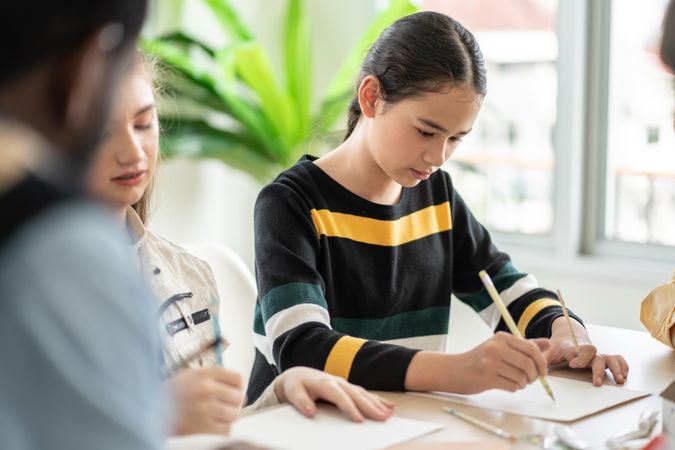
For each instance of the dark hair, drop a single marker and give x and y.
(668, 40)
(34, 31)
(422, 52)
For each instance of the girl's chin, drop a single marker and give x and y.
(408, 182)
(124, 201)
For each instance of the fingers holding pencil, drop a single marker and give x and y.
(506, 315)
(527, 355)
(503, 362)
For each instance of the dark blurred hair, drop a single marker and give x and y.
(419, 53)
(668, 41)
(35, 31)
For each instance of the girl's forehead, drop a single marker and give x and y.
(135, 93)
(139, 86)
(459, 95)
(441, 103)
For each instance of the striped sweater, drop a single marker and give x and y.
(356, 288)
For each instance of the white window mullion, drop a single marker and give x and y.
(570, 126)
(595, 154)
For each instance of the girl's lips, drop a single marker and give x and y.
(419, 175)
(130, 179)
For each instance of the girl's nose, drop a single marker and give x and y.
(130, 151)
(436, 157)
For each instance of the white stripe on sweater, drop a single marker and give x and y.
(434, 343)
(289, 318)
(491, 316)
(264, 346)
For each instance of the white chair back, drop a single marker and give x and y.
(237, 291)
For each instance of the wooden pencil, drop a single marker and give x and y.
(494, 295)
(569, 320)
(482, 425)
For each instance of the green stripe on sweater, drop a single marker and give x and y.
(505, 278)
(289, 295)
(424, 322)
(258, 324)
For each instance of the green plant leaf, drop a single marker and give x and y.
(297, 61)
(255, 71)
(343, 82)
(221, 147)
(330, 111)
(179, 37)
(176, 126)
(216, 94)
(229, 19)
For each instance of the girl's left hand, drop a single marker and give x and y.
(588, 357)
(302, 386)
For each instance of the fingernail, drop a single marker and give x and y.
(309, 409)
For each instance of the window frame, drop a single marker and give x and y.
(577, 239)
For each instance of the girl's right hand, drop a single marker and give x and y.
(502, 362)
(205, 400)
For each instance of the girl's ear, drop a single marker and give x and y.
(369, 95)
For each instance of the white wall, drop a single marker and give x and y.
(605, 291)
(205, 201)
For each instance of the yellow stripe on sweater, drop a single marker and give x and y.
(422, 223)
(532, 311)
(341, 357)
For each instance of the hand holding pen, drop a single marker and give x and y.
(206, 399)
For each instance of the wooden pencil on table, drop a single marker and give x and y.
(482, 425)
(494, 295)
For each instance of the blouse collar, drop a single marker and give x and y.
(135, 227)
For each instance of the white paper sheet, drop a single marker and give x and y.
(574, 399)
(198, 442)
(285, 428)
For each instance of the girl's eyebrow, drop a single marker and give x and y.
(438, 127)
(144, 109)
(432, 124)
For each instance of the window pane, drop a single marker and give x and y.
(504, 169)
(640, 194)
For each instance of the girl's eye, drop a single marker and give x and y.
(144, 126)
(423, 133)
(455, 139)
